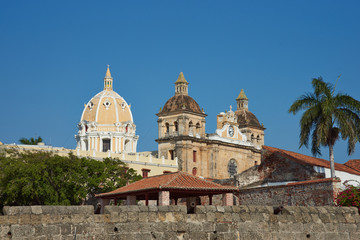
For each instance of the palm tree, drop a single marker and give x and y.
(328, 117)
(30, 141)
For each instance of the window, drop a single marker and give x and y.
(167, 127)
(106, 145)
(194, 156)
(176, 125)
(171, 153)
(232, 168)
(194, 171)
(145, 172)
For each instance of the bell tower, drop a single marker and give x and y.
(108, 80)
(242, 101)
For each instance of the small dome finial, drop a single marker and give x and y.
(242, 95)
(108, 79)
(181, 78)
(108, 74)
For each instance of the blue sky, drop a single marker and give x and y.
(54, 55)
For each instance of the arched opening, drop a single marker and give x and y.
(176, 126)
(258, 138)
(194, 171)
(252, 138)
(198, 128)
(232, 168)
(167, 128)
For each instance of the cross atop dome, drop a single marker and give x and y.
(108, 79)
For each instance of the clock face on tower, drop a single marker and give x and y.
(231, 131)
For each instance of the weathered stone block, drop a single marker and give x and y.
(210, 208)
(132, 216)
(220, 209)
(200, 209)
(4, 219)
(211, 217)
(19, 231)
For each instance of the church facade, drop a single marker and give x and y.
(234, 147)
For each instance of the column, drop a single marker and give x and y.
(164, 198)
(228, 199)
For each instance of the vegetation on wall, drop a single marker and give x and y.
(349, 197)
(43, 178)
(30, 141)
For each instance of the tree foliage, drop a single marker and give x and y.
(327, 117)
(30, 141)
(43, 178)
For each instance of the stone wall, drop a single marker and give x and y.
(307, 193)
(172, 222)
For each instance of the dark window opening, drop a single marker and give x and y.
(171, 152)
(106, 145)
(194, 171)
(176, 125)
(145, 172)
(194, 156)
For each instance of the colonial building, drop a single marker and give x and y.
(233, 148)
(107, 123)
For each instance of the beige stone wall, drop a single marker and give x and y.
(173, 222)
(211, 159)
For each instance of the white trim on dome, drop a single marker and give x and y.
(116, 109)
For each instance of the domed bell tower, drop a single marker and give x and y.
(180, 121)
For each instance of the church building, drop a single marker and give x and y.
(234, 147)
(107, 123)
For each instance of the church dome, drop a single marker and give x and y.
(181, 101)
(246, 118)
(107, 107)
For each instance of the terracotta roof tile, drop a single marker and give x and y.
(171, 181)
(304, 159)
(354, 164)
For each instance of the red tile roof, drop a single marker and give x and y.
(304, 159)
(354, 164)
(314, 181)
(171, 181)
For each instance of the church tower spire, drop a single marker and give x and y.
(108, 80)
(242, 101)
(181, 85)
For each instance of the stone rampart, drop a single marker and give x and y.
(173, 222)
(320, 192)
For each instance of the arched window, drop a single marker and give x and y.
(198, 128)
(258, 138)
(252, 137)
(232, 167)
(194, 171)
(167, 126)
(176, 125)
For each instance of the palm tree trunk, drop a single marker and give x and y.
(331, 156)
